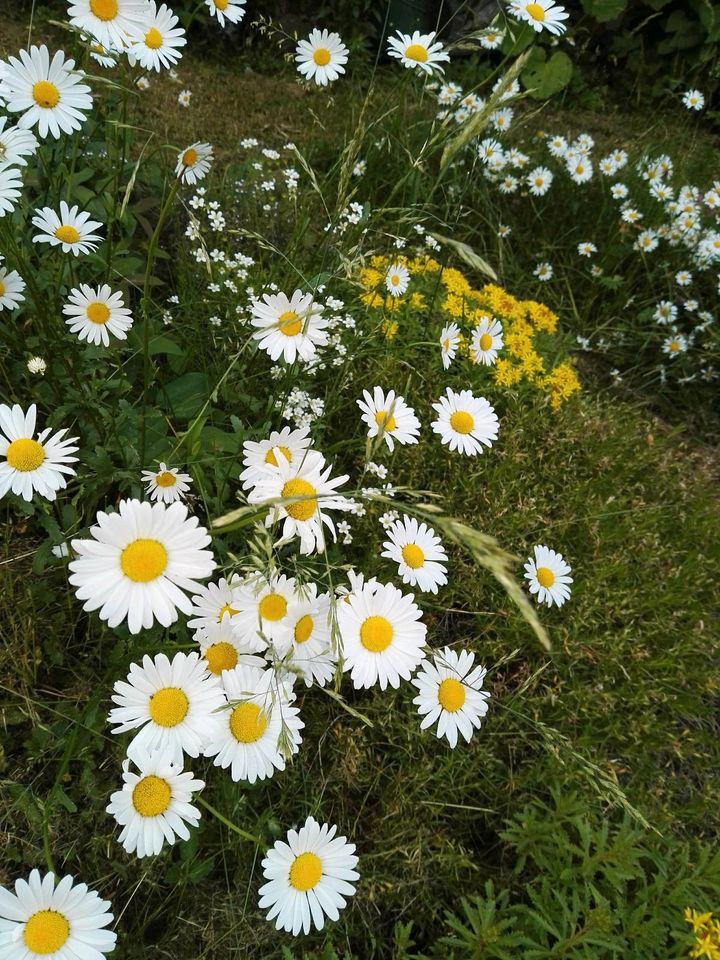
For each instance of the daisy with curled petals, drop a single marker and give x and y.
(258, 456)
(49, 94)
(15, 145)
(289, 328)
(12, 288)
(263, 603)
(390, 416)
(62, 922)
(139, 562)
(157, 44)
(547, 575)
(397, 279)
(541, 15)
(357, 582)
(487, 339)
(108, 21)
(194, 162)
(254, 736)
(450, 338)
(10, 189)
(29, 465)
(382, 635)
(309, 876)
(417, 51)
(419, 553)
(214, 600)
(450, 693)
(322, 57)
(231, 10)
(166, 484)
(70, 229)
(154, 805)
(307, 649)
(102, 55)
(95, 314)
(171, 704)
(465, 422)
(222, 647)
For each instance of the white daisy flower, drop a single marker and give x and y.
(419, 553)
(92, 313)
(62, 922)
(450, 693)
(10, 189)
(258, 457)
(586, 249)
(389, 415)
(108, 21)
(548, 577)
(103, 55)
(262, 604)
(539, 181)
(674, 345)
(36, 365)
(579, 167)
(557, 145)
(193, 162)
(665, 312)
(309, 877)
(290, 329)
(541, 15)
(15, 145)
(184, 98)
(647, 241)
(397, 279)
(417, 51)
(491, 39)
(49, 94)
(166, 483)
(31, 465)
(543, 271)
(683, 278)
(154, 806)
(619, 191)
(261, 728)
(173, 704)
(231, 10)
(157, 44)
(357, 582)
(693, 100)
(222, 647)
(138, 563)
(12, 287)
(383, 637)
(214, 600)
(449, 342)
(70, 229)
(322, 57)
(465, 422)
(487, 339)
(307, 647)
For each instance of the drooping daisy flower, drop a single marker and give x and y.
(49, 94)
(15, 145)
(258, 457)
(154, 806)
(539, 181)
(173, 704)
(231, 10)
(263, 605)
(389, 415)
(465, 422)
(322, 57)
(61, 922)
(547, 574)
(194, 162)
(487, 339)
(214, 600)
(397, 279)
(289, 328)
(450, 693)
(382, 634)
(417, 51)
(166, 484)
(541, 15)
(309, 877)
(419, 553)
(222, 647)
(71, 230)
(31, 465)
(159, 41)
(138, 563)
(108, 21)
(10, 189)
(259, 730)
(675, 345)
(103, 55)
(12, 288)
(92, 313)
(307, 648)
(449, 343)
(36, 365)
(693, 100)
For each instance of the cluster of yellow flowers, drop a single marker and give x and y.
(707, 934)
(447, 294)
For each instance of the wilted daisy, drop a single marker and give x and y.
(194, 162)
(159, 42)
(222, 647)
(259, 730)
(171, 704)
(307, 649)
(419, 553)
(94, 314)
(290, 329)
(231, 10)
(675, 344)
(539, 181)
(397, 279)
(154, 805)
(29, 465)
(49, 94)
(322, 57)
(465, 422)
(417, 51)
(487, 339)
(10, 189)
(12, 287)
(16, 144)
(62, 922)
(541, 15)
(382, 634)
(70, 229)
(693, 99)
(214, 600)
(309, 877)
(258, 457)
(450, 693)
(138, 563)
(389, 415)
(166, 483)
(36, 365)
(449, 342)
(108, 21)
(543, 271)
(547, 574)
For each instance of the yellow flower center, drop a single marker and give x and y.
(486, 341)
(304, 509)
(462, 422)
(413, 555)
(321, 56)
(153, 39)
(539, 181)
(451, 695)
(151, 796)
(97, 312)
(305, 872)
(446, 344)
(169, 706)
(46, 931)
(166, 479)
(674, 346)
(221, 656)
(545, 577)
(376, 634)
(247, 723)
(395, 279)
(2, 285)
(104, 9)
(385, 421)
(222, 4)
(67, 234)
(303, 628)
(272, 459)
(45, 94)
(416, 52)
(273, 607)
(25, 455)
(143, 560)
(536, 11)
(226, 608)
(289, 323)
(190, 157)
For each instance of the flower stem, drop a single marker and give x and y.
(228, 823)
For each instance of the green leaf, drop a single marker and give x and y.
(604, 10)
(186, 395)
(543, 78)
